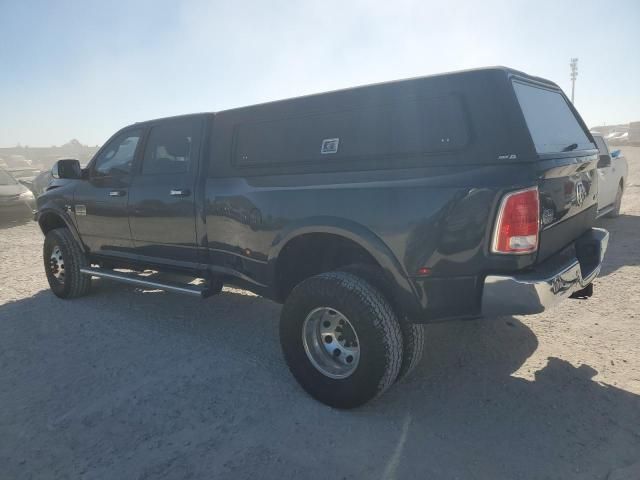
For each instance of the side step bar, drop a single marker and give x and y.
(133, 279)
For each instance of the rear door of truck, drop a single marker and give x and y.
(566, 166)
(162, 195)
(607, 184)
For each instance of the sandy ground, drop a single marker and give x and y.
(127, 384)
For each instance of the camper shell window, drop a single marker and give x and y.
(551, 122)
(409, 127)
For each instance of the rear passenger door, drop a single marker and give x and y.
(162, 206)
(607, 186)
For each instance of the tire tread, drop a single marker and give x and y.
(413, 334)
(367, 303)
(79, 284)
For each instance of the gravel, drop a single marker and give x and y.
(129, 383)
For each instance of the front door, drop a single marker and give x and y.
(162, 197)
(100, 203)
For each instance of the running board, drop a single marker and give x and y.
(133, 279)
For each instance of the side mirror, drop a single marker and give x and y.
(68, 168)
(616, 153)
(604, 161)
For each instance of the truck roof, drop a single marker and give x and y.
(507, 71)
(463, 117)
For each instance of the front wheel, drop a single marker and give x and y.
(63, 260)
(341, 339)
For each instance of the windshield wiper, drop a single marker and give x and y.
(570, 148)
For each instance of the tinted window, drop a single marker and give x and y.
(602, 147)
(552, 124)
(117, 157)
(6, 179)
(172, 147)
(408, 127)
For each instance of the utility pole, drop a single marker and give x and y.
(574, 75)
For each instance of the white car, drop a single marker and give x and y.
(612, 178)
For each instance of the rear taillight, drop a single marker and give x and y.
(518, 223)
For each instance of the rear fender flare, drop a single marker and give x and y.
(353, 231)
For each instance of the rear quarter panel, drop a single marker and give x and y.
(622, 167)
(438, 217)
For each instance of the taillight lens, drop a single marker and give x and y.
(518, 223)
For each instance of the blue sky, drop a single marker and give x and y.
(83, 69)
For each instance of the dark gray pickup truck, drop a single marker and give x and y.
(367, 212)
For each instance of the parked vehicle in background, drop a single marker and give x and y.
(612, 178)
(41, 182)
(367, 212)
(25, 176)
(17, 161)
(617, 138)
(16, 201)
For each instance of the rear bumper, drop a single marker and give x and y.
(557, 278)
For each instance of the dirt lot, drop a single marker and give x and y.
(127, 383)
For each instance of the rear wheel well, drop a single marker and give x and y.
(311, 254)
(49, 221)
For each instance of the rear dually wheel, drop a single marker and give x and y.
(341, 339)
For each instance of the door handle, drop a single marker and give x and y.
(178, 192)
(117, 193)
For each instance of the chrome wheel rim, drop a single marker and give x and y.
(331, 343)
(56, 264)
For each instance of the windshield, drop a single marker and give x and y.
(6, 179)
(552, 124)
(602, 147)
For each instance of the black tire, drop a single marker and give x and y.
(413, 345)
(616, 206)
(412, 333)
(376, 326)
(74, 284)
